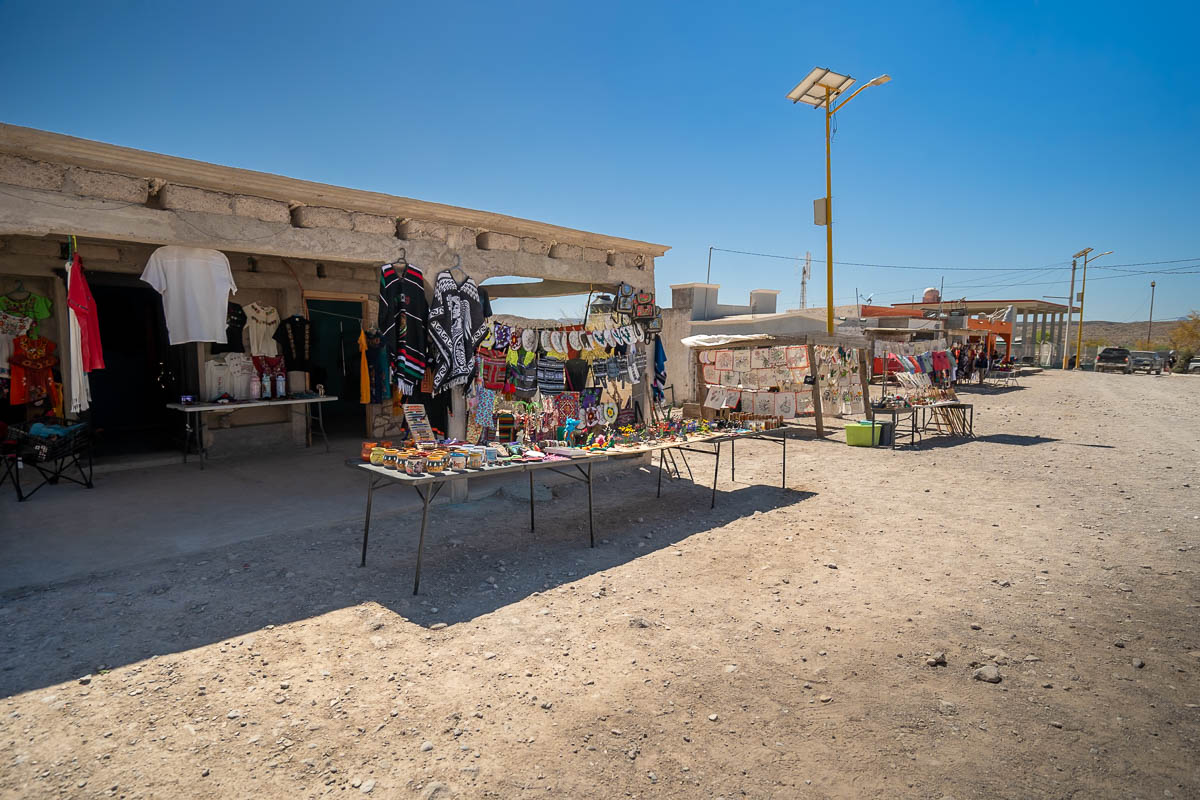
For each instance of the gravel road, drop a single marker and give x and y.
(1009, 617)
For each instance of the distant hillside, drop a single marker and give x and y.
(1127, 334)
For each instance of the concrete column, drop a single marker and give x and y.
(1058, 337)
(457, 428)
(1055, 335)
(1026, 333)
(1039, 329)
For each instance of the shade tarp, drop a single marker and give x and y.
(718, 340)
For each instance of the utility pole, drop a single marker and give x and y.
(1085, 254)
(1067, 331)
(1150, 325)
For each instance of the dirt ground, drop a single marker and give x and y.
(776, 647)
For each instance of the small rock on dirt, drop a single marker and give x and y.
(712, 717)
(946, 708)
(367, 786)
(988, 674)
(639, 622)
(426, 747)
(975, 626)
(938, 659)
(1138, 663)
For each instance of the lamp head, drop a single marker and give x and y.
(880, 81)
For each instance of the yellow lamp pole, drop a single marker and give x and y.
(819, 90)
(828, 221)
(1086, 253)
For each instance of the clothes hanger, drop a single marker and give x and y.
(20, 290)
(458, 266)
(401, 260)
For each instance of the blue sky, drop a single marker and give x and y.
(1012, 134)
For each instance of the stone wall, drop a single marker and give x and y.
(279, 241)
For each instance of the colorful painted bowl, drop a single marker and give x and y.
(390, 457)
(475, 458)
(435, 463)
(376, 456)
(458, 460)
(367, 447)
(490, 454)
(414, 465)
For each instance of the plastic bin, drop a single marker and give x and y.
(863, 434)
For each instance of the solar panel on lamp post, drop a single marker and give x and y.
(820, 89)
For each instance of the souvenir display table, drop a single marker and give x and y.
(194, 416)
(777, 435)
(949, 417)
(427, 486)
(946, 418)
(896, 413)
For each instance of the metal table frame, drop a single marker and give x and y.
(778, 436)
(912, 433)
(432, 483)
(193, 415)
(926, 413)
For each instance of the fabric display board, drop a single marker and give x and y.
(841, 380)
(766, 380)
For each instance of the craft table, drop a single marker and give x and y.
(193, 414)
(896, 413)
(776, 435)
(928, 417)
(432, 483)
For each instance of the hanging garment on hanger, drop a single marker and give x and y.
(83, 305)
(660, 370)
(364, 377)
(195, 285)
(33, 306)
(293, 337)
(11, 326)
(260, 329)
(235, 326)
(403, 320)
(457, 326)
(32, 365)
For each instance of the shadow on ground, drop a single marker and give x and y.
(479, 557)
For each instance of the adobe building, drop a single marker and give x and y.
(292, 244)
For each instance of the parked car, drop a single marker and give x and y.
(1194, 365)
(1146, 361)
(1114, 359)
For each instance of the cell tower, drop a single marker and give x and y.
(804, 276)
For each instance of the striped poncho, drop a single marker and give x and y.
(403, 317)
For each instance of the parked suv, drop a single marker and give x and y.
(1194, 364)
(1145, 361)
(1114, 359)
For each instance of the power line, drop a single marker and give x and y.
(1054, 266)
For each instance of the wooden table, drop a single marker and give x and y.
(429, 484)
(194, 413)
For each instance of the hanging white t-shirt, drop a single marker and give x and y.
(261, 322)
(195, 285)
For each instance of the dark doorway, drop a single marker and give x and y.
(336, 325)
(142, 371)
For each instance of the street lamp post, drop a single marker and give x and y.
(1150, 324)
(1085, 254)
(820, 90)
(1070, 310)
